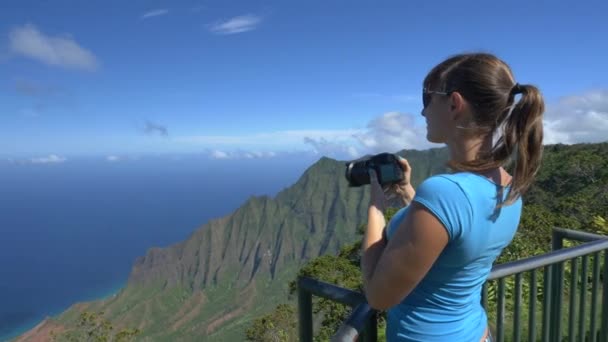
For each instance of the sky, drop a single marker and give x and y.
(261, 79)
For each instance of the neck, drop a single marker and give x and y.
(464, 150)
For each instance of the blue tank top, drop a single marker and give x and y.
(446, 304)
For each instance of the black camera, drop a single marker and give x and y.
(386, 165)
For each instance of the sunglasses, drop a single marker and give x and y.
(427, 95)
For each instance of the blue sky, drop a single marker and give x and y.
(259, 79)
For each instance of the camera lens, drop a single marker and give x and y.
(357, 173)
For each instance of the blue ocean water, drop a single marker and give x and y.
(70, 232)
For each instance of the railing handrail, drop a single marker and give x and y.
(352, 327)
(331, 291)
(546, 259)
(578, 235)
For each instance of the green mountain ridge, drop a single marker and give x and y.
(236, 268)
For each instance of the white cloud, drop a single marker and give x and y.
(238, 24)
(573, 119)
(270, 139)
(337, 149)
(219, 155)
(390, 132)
(579, 118)
(240, 154)
(50, 159)
(113, 159)
(154, 13)
(256, 154)
(28, 41)
(393, 131)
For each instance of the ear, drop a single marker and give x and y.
(457, 105)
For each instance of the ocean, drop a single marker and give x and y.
(70, 231)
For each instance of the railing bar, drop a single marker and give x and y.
(583, 296)
(546, 304)
(333, 292)
(553, 257)
(532, 311)
(572, 307)
(500, 317)
(355, 325)
(557, 287)
(517, 316)
(552, 263)
(594, 294)
(304, 313)
(371, 328)
(556, 305)
(604, 323)
(578, 235)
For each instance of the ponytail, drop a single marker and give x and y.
(523, 136)
(519, 144)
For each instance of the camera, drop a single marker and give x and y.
(386, 165)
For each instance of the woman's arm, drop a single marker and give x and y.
(373, 243)
(391, 270)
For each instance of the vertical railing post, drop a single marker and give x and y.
(604, 321)
(370, 331)
(557, 289)
(304, 313)
(572, 302)
(594, 296)
(582, 321)
(517, 315)
(546, 328)
(500, 315)
(532, 309)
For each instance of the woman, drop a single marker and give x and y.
(428, 267)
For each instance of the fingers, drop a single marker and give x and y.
(377, 196)
(395, 189)
(404, 163)
(373, 178)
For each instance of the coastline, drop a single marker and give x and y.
(27, 326)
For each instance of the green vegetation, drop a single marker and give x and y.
(93, 327)
(232, 274)
(280, 325)
(571, 191)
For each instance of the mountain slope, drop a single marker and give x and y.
(236, 267)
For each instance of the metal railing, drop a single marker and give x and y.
(361, 322)
(361, 325)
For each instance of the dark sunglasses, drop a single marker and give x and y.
(427, 95)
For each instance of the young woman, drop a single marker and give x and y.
(428, 266)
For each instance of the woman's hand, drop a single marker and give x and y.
(402, 192)
(377, 197)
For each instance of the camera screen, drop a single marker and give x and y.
(388, 172)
